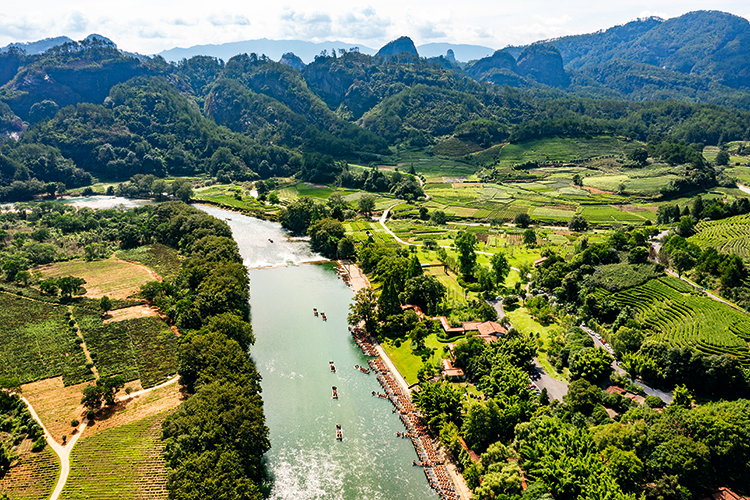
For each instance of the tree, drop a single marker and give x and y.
(104, 391)
(625, 466)
(681, 397)
(70, 285)
(425, 291)
(438, 217)
(578, 223)
(466, 242)
(500, 267)
(722, 158)
(105, 305)
(682, 261)
(362, 309)
(366, 204)
(639, 156)
(388, 302)
(325, 235)
(626, 339)
(415, 267)
(685, 227)
(529, 237)
(49, 286)
(522, 219)
(590, 363)
(346, 249)
(638, 255)
(582, 396)
(418, 335)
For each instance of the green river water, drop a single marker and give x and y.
(292, 352)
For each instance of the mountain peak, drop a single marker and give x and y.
(397, 46)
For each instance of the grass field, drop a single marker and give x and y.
(163, 260)
(524, 323)
(114, 278)
(681, 317)
(120, 463)
(563, 149)
(37, 342)
(408, 362)
(34, 475)
(143, 348)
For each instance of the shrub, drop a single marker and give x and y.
(74, 422)
(90, 414)
(654, 402)
(39, 445)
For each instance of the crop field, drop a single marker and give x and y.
(631, 182)
(359, 229)
(33, 477)
(163, 260)
(37, 342)
(731, 235)
(681, 317)
(55, 404)
(563, 149)
(121, 463)
(116, 279)
(603, 214)
(143, 348)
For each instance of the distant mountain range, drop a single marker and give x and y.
(307, 51)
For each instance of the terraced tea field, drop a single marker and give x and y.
(33, 477)
(730, 235)
(142, 348)
(122, 463)
(37, 342)
(672, 309)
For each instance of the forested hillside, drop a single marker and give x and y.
(85, 111)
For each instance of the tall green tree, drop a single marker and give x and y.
(466, 244)
(363, 309)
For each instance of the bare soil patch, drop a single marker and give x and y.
(633, 208)
(114, 278)
(134, 312)
(594, 190)
(56, 404)
(136, 408)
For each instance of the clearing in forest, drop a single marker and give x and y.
(114, 278)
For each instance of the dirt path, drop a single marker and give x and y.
(83, 345)
(63, 451)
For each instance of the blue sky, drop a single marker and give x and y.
(149, 26)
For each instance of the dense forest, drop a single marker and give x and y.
(84, 111)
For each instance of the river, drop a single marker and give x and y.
(292, 352)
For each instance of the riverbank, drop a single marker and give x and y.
(441, 473)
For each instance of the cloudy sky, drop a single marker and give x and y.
(149, 26)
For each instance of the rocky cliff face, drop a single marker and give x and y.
(292, 60)
(544, 64)
(396, 47)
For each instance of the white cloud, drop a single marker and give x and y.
(77, 22)
(316, 25)
(228, 20)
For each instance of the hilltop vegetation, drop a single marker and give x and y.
(84, 111)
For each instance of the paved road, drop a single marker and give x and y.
(556, 389)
